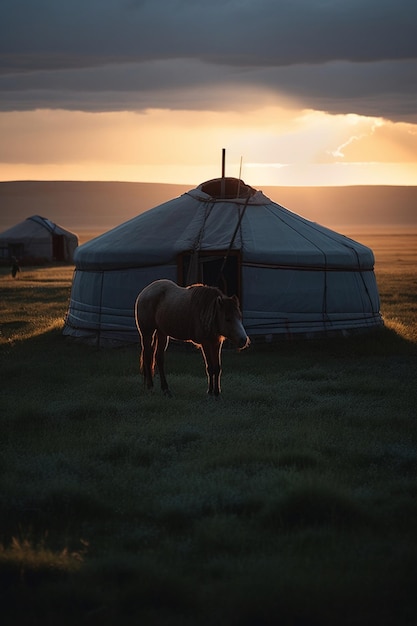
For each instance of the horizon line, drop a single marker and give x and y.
(193, 186)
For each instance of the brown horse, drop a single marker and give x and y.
(199, 314)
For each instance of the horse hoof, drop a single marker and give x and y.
(167, 393)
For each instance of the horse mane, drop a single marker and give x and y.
(203, 304)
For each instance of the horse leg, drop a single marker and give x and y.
(147, 359)
(162, 344)
(211, 353)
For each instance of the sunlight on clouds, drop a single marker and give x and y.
(355, 120)
(386, 142)
(278, 146)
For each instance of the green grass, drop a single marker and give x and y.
(291, 500)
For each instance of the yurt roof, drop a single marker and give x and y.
(33, 225)
(292, 275)
(221, 214)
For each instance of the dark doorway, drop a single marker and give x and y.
(58, 247)
(217, 268)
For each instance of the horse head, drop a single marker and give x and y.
(229, 319)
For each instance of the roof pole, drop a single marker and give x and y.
(223, 183)
(240, 178)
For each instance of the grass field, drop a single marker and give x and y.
(290, 501)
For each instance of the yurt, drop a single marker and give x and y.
(38, 238)
(293, 277)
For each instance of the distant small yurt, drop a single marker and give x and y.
(38, 238)
(293, 276)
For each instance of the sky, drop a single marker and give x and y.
(298, 92)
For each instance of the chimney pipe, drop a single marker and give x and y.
(223, 183)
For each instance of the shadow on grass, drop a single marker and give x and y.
(380, 342)
(315, 506)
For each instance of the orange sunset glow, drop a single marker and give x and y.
(271, 146)
(302, 96)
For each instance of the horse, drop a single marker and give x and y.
(199, 314)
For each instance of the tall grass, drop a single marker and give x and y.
(291, 500)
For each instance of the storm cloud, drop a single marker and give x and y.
(109, 55)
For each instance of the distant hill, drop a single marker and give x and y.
(103, 205)
(86, 205)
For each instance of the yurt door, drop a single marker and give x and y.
(218, 268)
(58, 247)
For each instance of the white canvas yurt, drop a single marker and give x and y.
(38, 238)
(293, 276)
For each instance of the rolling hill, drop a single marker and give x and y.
(103, 205)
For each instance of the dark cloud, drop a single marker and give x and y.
(236, 32)
(384, 89)
(357, 56)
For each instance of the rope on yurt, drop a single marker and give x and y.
(325, 269)
(324, 301)
(241, 214)
(361, 274)
(192, 272)
(99, 315)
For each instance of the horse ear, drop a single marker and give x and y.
(219, 300)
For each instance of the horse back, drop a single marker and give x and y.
(165, 306)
